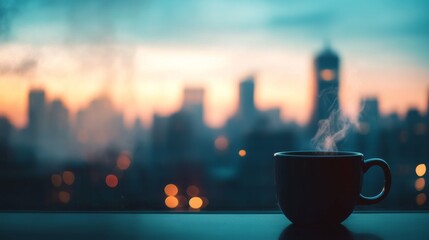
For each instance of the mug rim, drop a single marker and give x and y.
(318, 154)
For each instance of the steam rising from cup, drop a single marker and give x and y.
(331, 131)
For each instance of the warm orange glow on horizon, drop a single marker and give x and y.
(163, 71)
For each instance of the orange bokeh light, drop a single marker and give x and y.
(421, 199)
(123, 162)
(420, 184)
(195, 203)
(327, 74)
(64, 196)
(171, 190)
(221, 143)
(68, 177)
(421, 170)
(242, 153)
(111, 181)
(56, 180)
(171, 202)
(192, 191)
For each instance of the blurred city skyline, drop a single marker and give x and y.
(144, 53)
(222, 84)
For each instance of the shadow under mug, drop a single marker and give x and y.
(323, 188)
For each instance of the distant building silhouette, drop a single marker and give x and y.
(36, 115)
(58, 130)
(100, 125)
(193, 105)
(369, 127)
(246, 105)
(327, 81)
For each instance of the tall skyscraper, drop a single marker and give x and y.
(327, 82)
(193, 104)
(58, 131)
(246, 105)
(36, 114)
(369, 128)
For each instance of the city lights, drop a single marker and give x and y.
(64, 196)
(420, 184)
(171, 202)
(171, 190)
(68, 177)
(192, 191)
(242, 153)
(195, 203)
(421, 170)
(123, 162)
(111, 181)
(421, 199)
(221, 143)
(327, 74)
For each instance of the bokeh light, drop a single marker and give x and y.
(242, 153)
(327, 74)
(56, 180)
(421, 199)
(68, 177)
(171, 190)
(421, 170)
(221, 143)
(192, 191)
(111, 181)
(420, 184)
(171, 202)
(64, 196)
(123, 162)
(195, 203)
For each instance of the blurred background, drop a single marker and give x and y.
(180, 105)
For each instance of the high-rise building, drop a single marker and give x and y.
(246, 105)
(36, 114)
(327, 82)
(58, 131)
(100, 125)
(58, 118)
(193, 104)
(369, 129)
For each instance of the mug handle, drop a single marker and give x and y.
(387, 181)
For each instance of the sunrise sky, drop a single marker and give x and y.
(143, 53)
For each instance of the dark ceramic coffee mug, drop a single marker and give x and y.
(323, 187)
